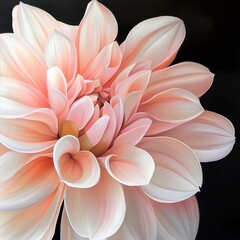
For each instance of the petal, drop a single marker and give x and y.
(189, 76)
(134, 132)
(178, 173)
(35, 25)
(81, 112)
(34, 222)
(35, 132)
(20, 61)
(97, 212)
(211, 136)
(31, 184)
(61, 52)
(156, 40)
(76, 169)
(97, 29)
(177, 220)
(67, 232)
(140, 222)
(174, 105)
(129, 165)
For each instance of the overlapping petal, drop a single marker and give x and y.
(178, 173)
(211, 136)
(97, 212)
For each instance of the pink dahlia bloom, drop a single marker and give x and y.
(112, 131)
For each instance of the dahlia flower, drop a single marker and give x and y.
(110, 132)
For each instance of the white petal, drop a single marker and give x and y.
(177, 220)
(140, 222)
(96, 212)
(178, 173)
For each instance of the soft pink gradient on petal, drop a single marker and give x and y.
(97, 212)
(178, 173)
(177, 220)
(33, 222)
(211, 136)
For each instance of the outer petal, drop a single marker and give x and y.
(189, 76)
(98, 212)
(35, 25)
(31, 184)
(177, 220)
(20, 61)
(211, 136)
(76, 169)
(129, 165)
(61, 52)
(156, 40)
(140, 222)
(178, 173)
(34, 222)
(174, 105)
(97, 29)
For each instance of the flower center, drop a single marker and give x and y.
(68, 128)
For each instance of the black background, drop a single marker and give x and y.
(213, 39)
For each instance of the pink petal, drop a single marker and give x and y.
(189, 76)
(74, 89)
(35, 25)
(129, 165)
(81, 112)
(177, 220)
(18, 99)
(61, 52)
(174, 105)
(34, 222)
(76, 169)
(97, 29)
(96, 212)
(178, 173)
(31, 184)
(156, 40)
(57, 92)
(140, 222)
(134, 132)
(211, 136)
(20, 61)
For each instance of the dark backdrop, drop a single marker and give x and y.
(213, 38)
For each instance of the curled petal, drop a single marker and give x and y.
(211, 136)
(174, 105)
(189, 76)
(31, 184)
(140, 221)
(97, 28)
(76, 169)
(20, 61)
(61, 52)
(81, 112)
(129, 165)
(177, 220)
(96, 212)
(156, 40)
(34, 222)
(178, 173)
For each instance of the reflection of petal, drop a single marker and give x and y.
(96, 212)
(177, 220)
(211, 136)
(162, 35)
(29, 185)
(128, 164)
(76, 169)
(34, 222)
(178, 173)
(97, 29)
(140, 222)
